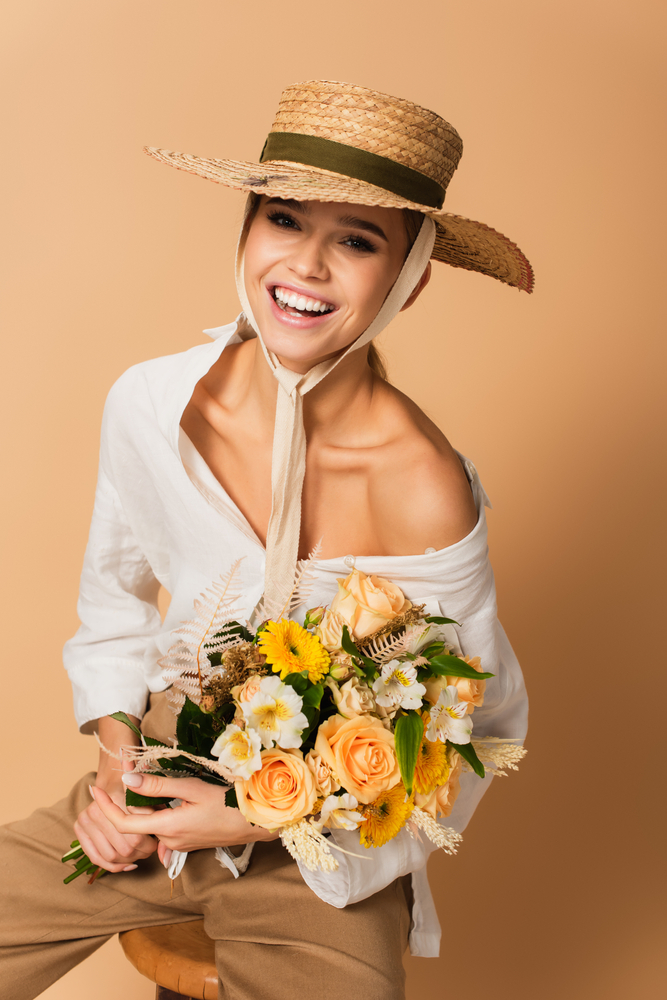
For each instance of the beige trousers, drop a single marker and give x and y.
(274, 938)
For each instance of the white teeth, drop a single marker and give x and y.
(300, 302)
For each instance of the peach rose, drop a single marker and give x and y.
(360, 752)
(247, 690)
(353, 698)
(283, 791)
(366, 603)
(469, 690)
(330, 631)
(324, 779)
(441, 801)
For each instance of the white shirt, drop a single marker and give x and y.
(161, 517)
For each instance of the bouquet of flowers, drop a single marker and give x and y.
(360, 718)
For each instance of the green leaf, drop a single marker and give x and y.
(194, 730)
(408, 733)
(350, 647)
(151, 801)
(435, 649)
(348, 644)
(441, 621)
(467, 751)
(313, 696)
(122, 717)
(298, 681)
(231, 800)
(454, 666)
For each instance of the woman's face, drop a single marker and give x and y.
(316, 274)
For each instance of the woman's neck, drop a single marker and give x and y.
(332, 407)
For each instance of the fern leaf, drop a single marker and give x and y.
(304, 578)
(187, 666)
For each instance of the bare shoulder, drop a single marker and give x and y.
(421, 494)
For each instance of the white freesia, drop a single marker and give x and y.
(397, 686)
(338, 812)
(275, 714)
(239, 751)
(449, 719)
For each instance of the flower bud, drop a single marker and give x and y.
(314, 617)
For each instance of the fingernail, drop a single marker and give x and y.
(131, 778)
(92, 791)
(167, 859)
(130, 868)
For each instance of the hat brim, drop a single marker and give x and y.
(459, 242)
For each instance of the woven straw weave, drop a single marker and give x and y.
(387, 126)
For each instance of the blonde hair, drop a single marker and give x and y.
(413, 222)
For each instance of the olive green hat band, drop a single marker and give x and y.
(338, 157)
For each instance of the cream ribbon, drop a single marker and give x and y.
(288, 466)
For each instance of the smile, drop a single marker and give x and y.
(295, 304)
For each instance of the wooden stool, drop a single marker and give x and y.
(179, 958)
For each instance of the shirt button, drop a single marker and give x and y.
(429, 551)
(349, 561)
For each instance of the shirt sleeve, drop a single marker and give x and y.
(118, 611)
(504, 714)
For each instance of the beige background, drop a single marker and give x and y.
(111, 258)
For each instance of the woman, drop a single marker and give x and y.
(279, 434)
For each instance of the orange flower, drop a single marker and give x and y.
(360, 752)
(283, 791)
(366, 603)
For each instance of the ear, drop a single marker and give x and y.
(419, 287)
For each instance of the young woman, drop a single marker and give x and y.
(279, 434)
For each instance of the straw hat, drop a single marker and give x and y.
(339, 142)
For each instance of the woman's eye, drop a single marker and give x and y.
(282, 220)
(360, 244)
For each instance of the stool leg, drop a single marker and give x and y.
(162, 993)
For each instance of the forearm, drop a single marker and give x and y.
(113, 735)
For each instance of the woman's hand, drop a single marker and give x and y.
(99, 838)
(203, 820)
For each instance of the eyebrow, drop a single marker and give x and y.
(363, 224)
(345, 220)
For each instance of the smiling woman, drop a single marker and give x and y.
(278, 438)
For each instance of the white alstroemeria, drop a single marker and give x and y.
(448, 718)
(397, 686)
(338, 812)
(275, 713)
(239, 751)
(418, 637)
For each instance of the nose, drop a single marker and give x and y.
(308, 258)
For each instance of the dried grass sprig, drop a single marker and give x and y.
(497, 755)
(442, 836)
(305, 843)
(146, 756)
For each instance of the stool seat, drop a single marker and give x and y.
(178, 957)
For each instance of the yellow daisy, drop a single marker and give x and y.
(432, 768)
(289, 649)
(384, 817)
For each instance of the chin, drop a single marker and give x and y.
(299, 348)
